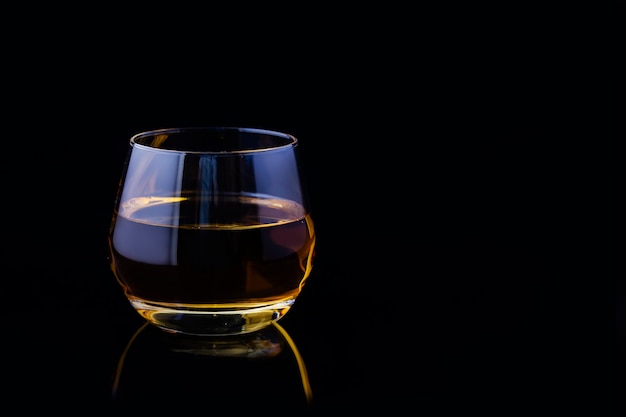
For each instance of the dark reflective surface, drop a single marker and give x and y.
(261, 372)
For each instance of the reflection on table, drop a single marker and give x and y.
(261, 371)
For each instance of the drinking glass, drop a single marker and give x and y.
(212, 232)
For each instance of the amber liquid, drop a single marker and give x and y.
(226, 264)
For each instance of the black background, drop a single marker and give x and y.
(419, 135)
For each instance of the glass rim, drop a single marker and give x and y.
(286, 140)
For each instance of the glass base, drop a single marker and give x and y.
(214, 321)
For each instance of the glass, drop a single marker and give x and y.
(212, 232)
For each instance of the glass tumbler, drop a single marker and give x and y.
(211, 231)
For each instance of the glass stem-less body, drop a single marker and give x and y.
(216, 259)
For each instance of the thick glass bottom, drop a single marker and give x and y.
(212, 320)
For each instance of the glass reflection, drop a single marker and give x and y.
(261, 371)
